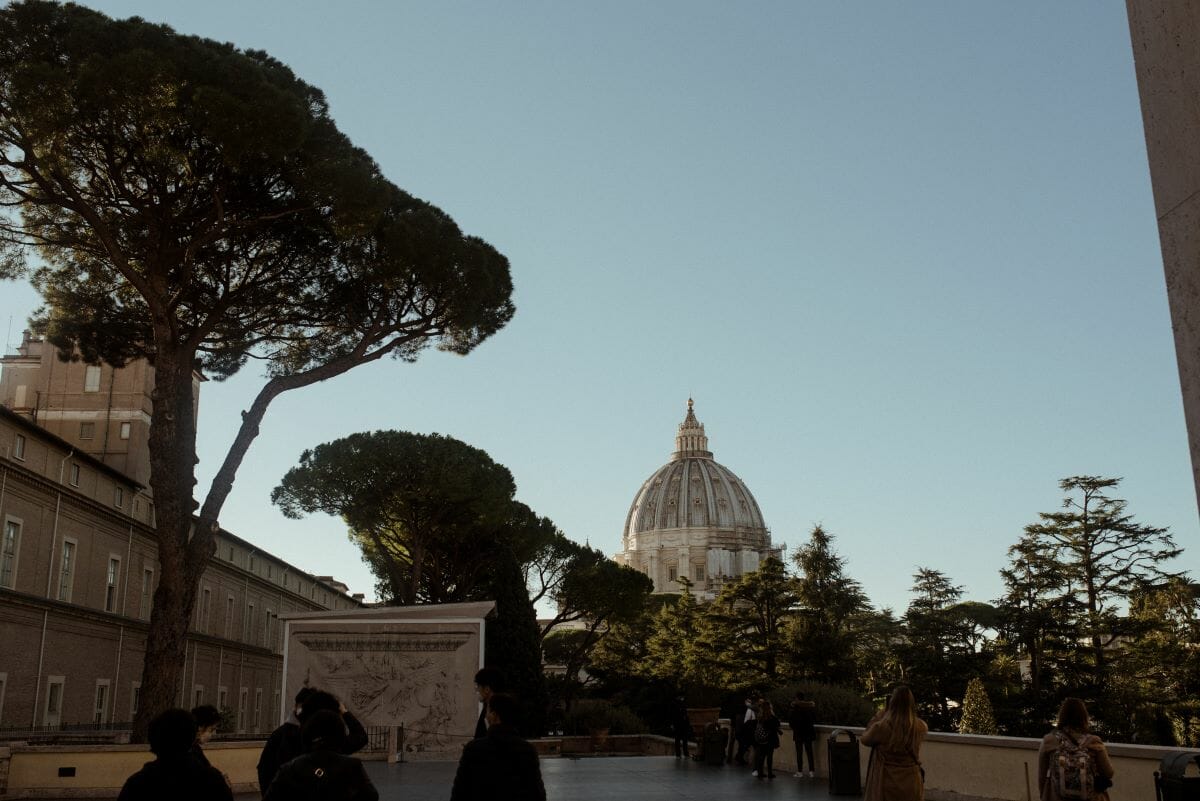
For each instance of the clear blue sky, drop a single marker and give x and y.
(903, 255)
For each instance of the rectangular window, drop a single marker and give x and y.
(699, 573)
(100, 708)
(197, 695)
(8, 553)
(671, 574)
(125, 427)
(248, 629)
(269, 634)
(119, 497)
(228, 617)
(251, 564)
(110, 585)
(147, 593)
(241, 713)
(66, 571)
(203, 621)
(74, 475)
(91, 378)
(274, 706)
(87, 430)
(52, 713)
(222, 698)
(257, 708)
(3, 686)
(19, 447)
(135, 699)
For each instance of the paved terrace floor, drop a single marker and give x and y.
(605, 779)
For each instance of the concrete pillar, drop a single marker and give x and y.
(1166, 53)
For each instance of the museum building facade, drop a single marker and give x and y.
(78, 561)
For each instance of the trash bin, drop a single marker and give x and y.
(844, 775)
(1173, 781)
(715, 739)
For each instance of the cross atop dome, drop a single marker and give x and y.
(691, 440)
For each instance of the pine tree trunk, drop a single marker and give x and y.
(172, 465)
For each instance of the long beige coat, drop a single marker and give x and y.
(1104, 765)
(894, 775)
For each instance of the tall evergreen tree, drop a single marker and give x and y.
(1104, 557)
(512, 640)
(931, 632)
(828, 602)
(671, 649)
(741, 634)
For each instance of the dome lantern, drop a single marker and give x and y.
(691, 440)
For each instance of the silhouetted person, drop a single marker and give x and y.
(680, 726)
(743, 730)
(500, 766)
(322, 773)
(285, 743)
(766, 739)
(175, 774)
(207, 719)
(802, 718)
(487, 681)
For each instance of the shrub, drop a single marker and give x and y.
(840, 706)
(588, 714)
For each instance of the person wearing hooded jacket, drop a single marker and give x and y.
(175, 774)
(285, 743)
(322, 773)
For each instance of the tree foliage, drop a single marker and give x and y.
(977, 717)
(742, 635)
(1103, 557)
(429, 511)
(828, 603)
(195, 205)
(512, 642)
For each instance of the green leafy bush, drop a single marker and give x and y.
(839, 706)
(589, 714)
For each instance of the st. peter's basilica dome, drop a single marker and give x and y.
(693, 518)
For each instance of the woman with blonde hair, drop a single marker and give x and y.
(895, 734)
(1073, 760)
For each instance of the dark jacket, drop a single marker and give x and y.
(285, 744)
(499, 767)
(802, 717)
(322, 776)
(178, 778)
(481, 726)
(197, 753)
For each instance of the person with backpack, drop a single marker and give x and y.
(766, 739)
(322, 773)
(894, 772)
(1073, 764)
